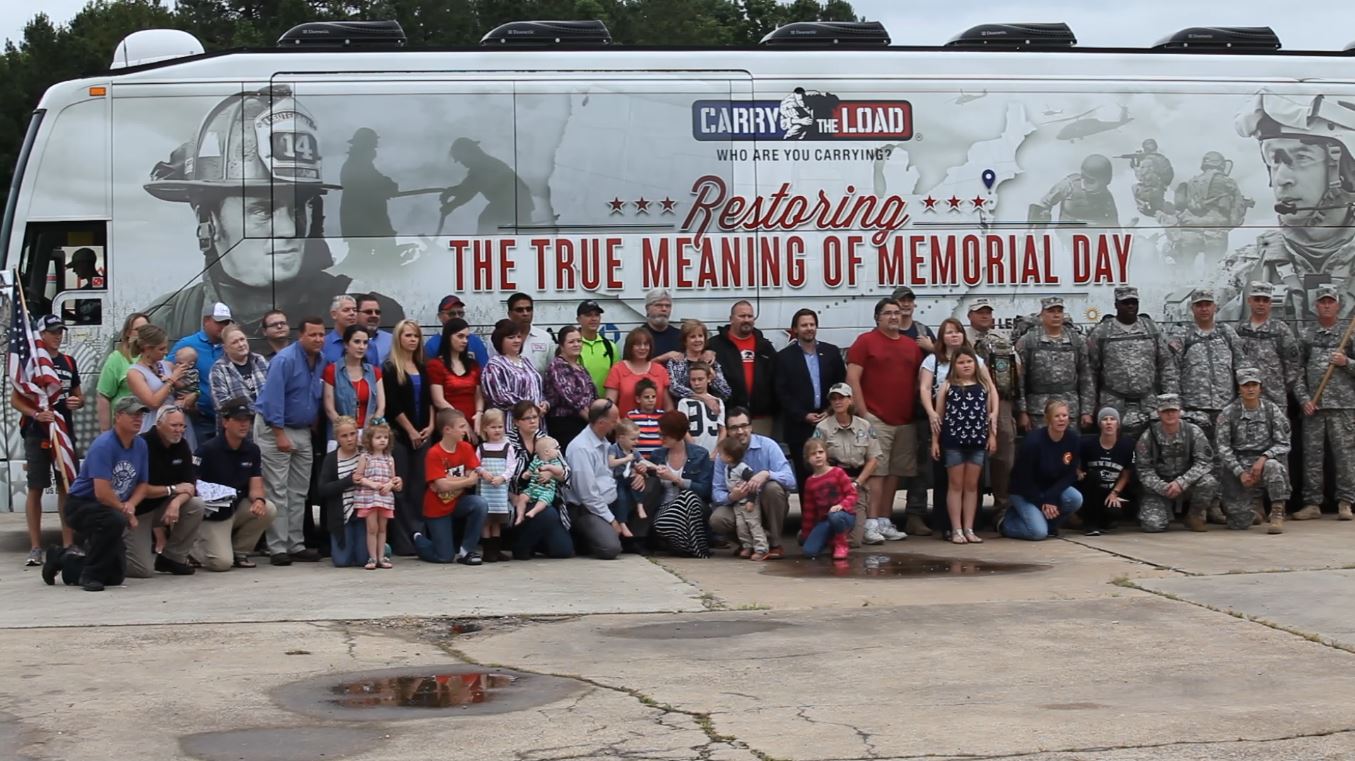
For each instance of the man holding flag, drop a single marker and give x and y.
(46, 393)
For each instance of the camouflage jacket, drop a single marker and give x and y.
(1241, 432)
(1272, 348)
(1054, 366)
(1317, 345)
(1161, 459)
(1132, 362)
(1208, 362)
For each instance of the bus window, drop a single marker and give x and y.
(63, 269)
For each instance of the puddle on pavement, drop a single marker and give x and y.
(700, 629)
(876, 565)
(421, 691)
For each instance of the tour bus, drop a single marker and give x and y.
(821, 169)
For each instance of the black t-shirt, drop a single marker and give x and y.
(69, 374)
(219, 464)
(1104, 466)
(169, 465)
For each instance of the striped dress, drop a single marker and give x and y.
(497, 459)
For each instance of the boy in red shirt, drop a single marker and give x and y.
(828, 506)
(450, 472)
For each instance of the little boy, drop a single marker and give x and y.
(646, 418)
(541, 495)
(707, 425)
(747, 515)
(625, 466)
(450, 471)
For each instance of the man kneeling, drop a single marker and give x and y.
(229, 533)
(1174, 461)
(1253, 436)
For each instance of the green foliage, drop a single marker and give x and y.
(50, 53)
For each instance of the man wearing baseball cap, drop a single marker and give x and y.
(35, 427)
(1054, 366)
(1174, 461)
(232, 459)
(1130, 362)
(599, 353)
(1253, 443)
(995, 348)
(207, 343)
(1329, 421)
(452, 307)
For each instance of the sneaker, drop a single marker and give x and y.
(1343, 512)
(470, 558)
(840, 549)
(916, 526)
(872, 536)
(887, 530)
(51, 565)
(280, 558)
(164, 564)
(34, 558)
(1308, 513)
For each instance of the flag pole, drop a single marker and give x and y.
(1331, 368)
(43, 403)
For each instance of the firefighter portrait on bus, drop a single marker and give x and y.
(253, 178)
(1306, 143)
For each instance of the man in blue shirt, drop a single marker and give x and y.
(369, 314)
(772, 479)
(103, 501)
(452, 307)
(288, 405)
(344, 312)
(207, 343)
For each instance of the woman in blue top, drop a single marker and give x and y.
(352, 384)
(677, 493)
(1043, 478)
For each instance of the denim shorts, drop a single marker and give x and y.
(952, 457)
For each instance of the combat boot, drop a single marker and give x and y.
(1343, 511)
(1276, 525)
(1217, 517)
(1195, 520)
(1308, 513)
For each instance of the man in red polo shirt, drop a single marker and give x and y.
(882, 368)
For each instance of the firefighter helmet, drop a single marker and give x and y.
(254, 140)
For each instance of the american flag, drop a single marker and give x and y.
(34, 375)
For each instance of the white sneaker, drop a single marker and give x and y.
(887, 530)
(872, 535)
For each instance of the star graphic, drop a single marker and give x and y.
(668, 205)
(617, 204)
(978, 201)
(954, 203)
(929, 204)
(642, 206)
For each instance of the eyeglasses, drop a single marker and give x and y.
(739, 427)
(371, 311)
(529, 418)
(271, 325)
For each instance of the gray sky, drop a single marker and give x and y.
(1310, 26)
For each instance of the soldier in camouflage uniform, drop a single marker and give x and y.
(1054, 366)
(1207, 208)
(1153, 174)
(1253, 442)
(1308, 145)
(1269, 344)
(1174, 461)
(1332, 418)
(1004, 367)
(1130, 363)
(1081, 197)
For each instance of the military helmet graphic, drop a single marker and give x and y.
(251, 141)
(1097, 167)
(1213, 160)
(1306, 117)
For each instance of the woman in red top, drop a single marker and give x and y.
(455, 375)
(352, 384)
(635, 365)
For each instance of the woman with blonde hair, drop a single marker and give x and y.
(408, 387)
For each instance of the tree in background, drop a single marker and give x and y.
(51, 53)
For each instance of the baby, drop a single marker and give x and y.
(541, 494)
(187, 358)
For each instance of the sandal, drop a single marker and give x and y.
(957, 537)
(970, 536)
(386, 563)
(371, 564)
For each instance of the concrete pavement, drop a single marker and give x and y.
(1178, 646)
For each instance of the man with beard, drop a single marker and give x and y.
(254, 181)
(667, 337)
(1306, 143)
(750, 364)
(805, 371)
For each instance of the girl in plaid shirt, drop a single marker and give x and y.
(828, 505)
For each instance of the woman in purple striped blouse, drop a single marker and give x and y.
(508, 378)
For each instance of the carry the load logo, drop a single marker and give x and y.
(802, 115)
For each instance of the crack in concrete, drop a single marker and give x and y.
(867, 739)
(1130, 558)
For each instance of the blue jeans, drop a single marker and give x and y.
(1027, 521)
(824, 531)
(354, 551)
(437, 546)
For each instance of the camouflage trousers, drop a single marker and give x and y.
(1238, 499)
(1334, 428)
(1036, 404)
(1155, 511)
(1135, 414)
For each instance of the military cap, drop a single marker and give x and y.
(980, 303)
(1248, 375)
(1125, 293)
(1327, 292)
(1168, 402)
(903, 292)
(1200, 295)
(1259, 288)
(1049, 302)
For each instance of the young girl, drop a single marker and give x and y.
(497, 463)
(540, 494)
(828, 507)
(374, 498)
(626, 465)
(968, 433)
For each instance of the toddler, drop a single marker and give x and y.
(747, 515)
(374, 497)
(625, 466)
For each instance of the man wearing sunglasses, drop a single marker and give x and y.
(538, 346)
(369, 314)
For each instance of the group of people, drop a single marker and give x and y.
(553, 444)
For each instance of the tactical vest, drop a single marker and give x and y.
(1072, 346)
(1000, 356)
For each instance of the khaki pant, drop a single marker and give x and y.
(286, 481)
(141, 542)
(774, 505)
(1000, 464)
(220, 541)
